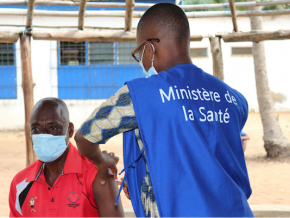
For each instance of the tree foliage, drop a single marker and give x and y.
(276, 7)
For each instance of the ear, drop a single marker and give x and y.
(71, 129)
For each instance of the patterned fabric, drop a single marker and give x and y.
(141, 146)
(148, 197)
(115, 116)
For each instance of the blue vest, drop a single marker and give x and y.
(190, 125)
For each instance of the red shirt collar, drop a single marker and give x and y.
(73, 164)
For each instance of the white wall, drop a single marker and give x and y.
(12, 111)
(239, 71)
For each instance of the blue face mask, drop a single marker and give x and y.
(48, 147)
(152, 70)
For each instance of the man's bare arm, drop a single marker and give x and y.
(105, 196)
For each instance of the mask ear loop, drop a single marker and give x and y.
(143, 53)
(152, 59)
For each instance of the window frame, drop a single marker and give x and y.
(196, 48)
(241, 47)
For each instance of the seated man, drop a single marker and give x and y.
(62, 182)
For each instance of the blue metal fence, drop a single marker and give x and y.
(94, 81)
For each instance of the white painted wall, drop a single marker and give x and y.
(239, 71)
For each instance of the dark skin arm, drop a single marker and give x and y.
(93, 152)
(105, 196)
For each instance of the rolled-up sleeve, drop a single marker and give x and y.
(114, 116)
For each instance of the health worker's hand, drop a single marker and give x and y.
(102, 160)
(106, 162)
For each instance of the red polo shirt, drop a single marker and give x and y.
(71, 195)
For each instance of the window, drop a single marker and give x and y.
(101, 53)
(6, 54)
(237, 51)
(95, 70)
(198, 52)
(124, 53)
(72, 53)
(8, 83)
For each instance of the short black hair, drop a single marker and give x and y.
(166, 17)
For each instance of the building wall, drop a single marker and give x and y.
(238, 70)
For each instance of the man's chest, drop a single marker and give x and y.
(67, 197)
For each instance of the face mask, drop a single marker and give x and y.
(49, 147)
(152, 70)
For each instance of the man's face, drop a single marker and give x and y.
(47, 119)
